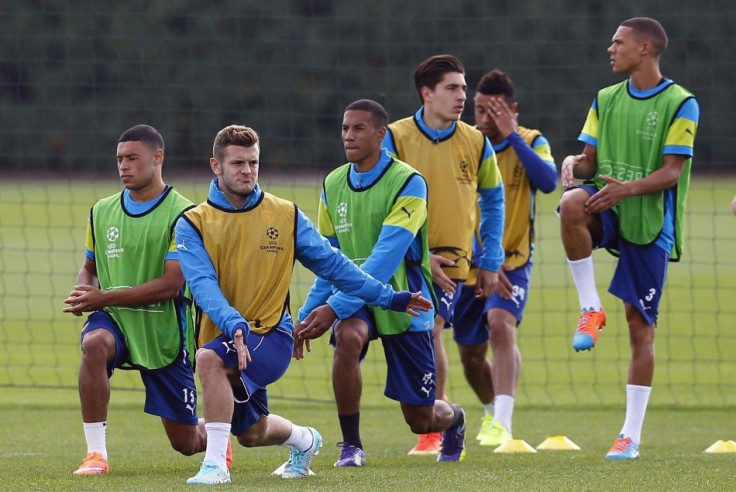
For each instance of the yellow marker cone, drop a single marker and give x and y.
(515, 446)
(558, 443)
(722, 447)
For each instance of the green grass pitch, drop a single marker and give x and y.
(561, 392)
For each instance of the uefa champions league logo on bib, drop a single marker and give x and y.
(113, 234)
(652, 118)
(343, 225)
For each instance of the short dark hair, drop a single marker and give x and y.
(430, 71)
(143, 133)
(240, 135)
(378, 113)
(496, 83)
(651, 30)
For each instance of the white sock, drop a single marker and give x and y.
(504, 410)
(637, 398)
(583, 275)
(95, 433)
(487, 408)
(300, 438)
(218, 435)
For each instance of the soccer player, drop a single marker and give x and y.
(132, 284)
(526, 165)
(237, 252)
(733, 205)
(374, 209)
(458, 163)
(638, 137)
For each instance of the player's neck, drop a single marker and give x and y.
(646, 79)
(434, 120)
(497, 139)
(148, 193)
(368, 163)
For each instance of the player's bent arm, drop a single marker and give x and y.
(399, 230)
(315, 252)
(163, 288)
(662, 179)
(86, 297)
(616, 190)
(542, 174)
(388, 252)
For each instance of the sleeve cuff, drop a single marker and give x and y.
(400, 301)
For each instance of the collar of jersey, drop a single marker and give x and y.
(663, 84)
(364, 180)
(436, 135)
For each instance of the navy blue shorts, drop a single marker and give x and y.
(470, 326)
(410, 374)
(446, 302)
(270, 357)
(641, 270)
(520, 279)
(170, 392)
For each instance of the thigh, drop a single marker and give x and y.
(469, 326)
(447, 302)
(639, 278)
(171, 392)
(410, 374)
(520, 279)
(603, 226)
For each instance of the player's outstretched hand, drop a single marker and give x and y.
(410, 302)
(315, 324)
(418, 303)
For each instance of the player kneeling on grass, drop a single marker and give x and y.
(132, 284)
(237, 252)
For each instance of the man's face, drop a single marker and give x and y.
(447, 100)
(237, 172)
(137, 164)
(625, 51)
(361, 139)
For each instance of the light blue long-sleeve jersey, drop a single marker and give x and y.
(312, 250)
